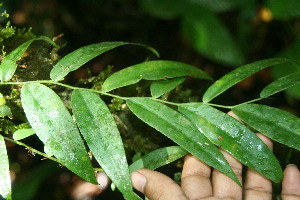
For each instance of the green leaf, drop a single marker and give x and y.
(179, 129)
(238, 75)
(23, 133)
(277, 124)
(210, 37)
(161, 87)
(5, 111)
(166, 9)
(80, 56)
(218, 5)
(152, 70)
(55, 127)
(281, 84)
(100, 131)
(284, 9)
(235, 138)
(284, 69)
(5, 183)
(8, 65)
(158, 158)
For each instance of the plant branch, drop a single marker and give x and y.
(31, 149)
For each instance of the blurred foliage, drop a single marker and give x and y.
(211, 34)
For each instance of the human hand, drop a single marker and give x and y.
(199, 181)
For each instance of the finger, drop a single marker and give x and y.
(225, 187)
(257, 186)
(156, 186)
(102, 180)
(291, 183)
(195, 178)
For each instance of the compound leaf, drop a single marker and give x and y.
(158, 158)
(80, 56)
(100, 131)
(235, 138)
(238, 75)
(5, 183)
(55, 127)
(179, 129)
(277, 124)
(281, 84)
(152, 70)
(8, 65)
(161, 87)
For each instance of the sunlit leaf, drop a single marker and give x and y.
(158, 158)
(210, 37)
(238, 75)
(235, 138)
(281, 84)
(5, 183)
(55, 127)
(152, 70)
(277, 124)
(5, 111)
(100, 131)
(8, 65)
(161, 87)
(179, 129)
(80, 56)
(23, 133)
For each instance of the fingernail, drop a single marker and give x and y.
(291, 165)
(138, 181)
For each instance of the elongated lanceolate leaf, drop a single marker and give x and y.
(161, 87)
(5, 185)
(152, 70)
(232, 136)
(80, 56)
(100, 131)
(277, 124)
(23, 133)
(8, 65)
(158, 158)
(55, 127)
(179, 129)
(281, 84)
(238, 75)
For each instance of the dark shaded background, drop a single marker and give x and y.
(84, 22)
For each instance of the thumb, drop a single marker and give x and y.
(156, 186)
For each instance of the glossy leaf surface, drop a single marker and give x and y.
(55, 127)
(8, 65)
(281, 84)
(80, 56)
(161, 87)
(5, 183)
(235, 138)
(152, 70)
(277, 124)
(179, 129)
(100, 131)
(23, 133)
(238, 75)
(5, 111)
(158, 158)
